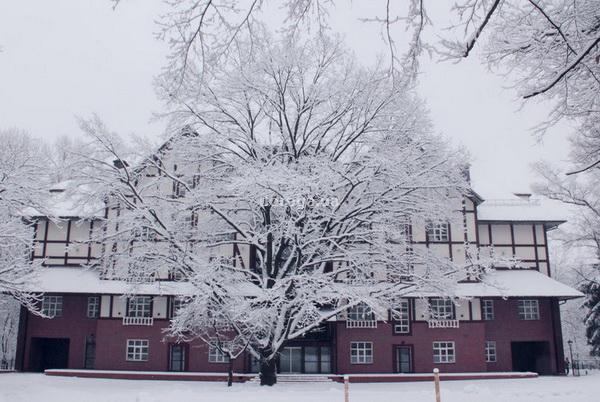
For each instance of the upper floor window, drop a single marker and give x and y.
(139, 306)
(529, 309)
(93, 307)
(438, 231)
(137, 350)
(361, 312)
(444, 352)
(401, 317)
(52, 306)
(442, 309)
(361, 352)
(487, 310)
(176, 304)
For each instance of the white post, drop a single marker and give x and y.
(346, 388)
(436, 380)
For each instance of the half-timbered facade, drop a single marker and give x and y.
(509, 323)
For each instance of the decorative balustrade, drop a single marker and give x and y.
(361, 324)
(148, 321)
(433, 323)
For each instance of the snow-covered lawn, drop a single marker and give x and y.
(37, 387)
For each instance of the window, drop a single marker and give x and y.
(401, 317)
(443, 352)
(487, 309)
(442, 309)
(490, 351)
(361, 312)
(137, 350)
(529, 310)
(176, 304)
(139, 306)
(52, 306)
(438, 231)
(93, 307)
(215, 355)
(361, 352)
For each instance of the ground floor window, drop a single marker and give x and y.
(490, 351)
(216, 355)
(361, 352)
(137, 350)
(52, 306)
(444, 352)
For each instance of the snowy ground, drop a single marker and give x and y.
(37, 387)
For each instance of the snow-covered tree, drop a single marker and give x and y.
(9, 322)
(284, 196)
(23, 184)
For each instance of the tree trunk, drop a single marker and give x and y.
(230, 373)
(268, 369)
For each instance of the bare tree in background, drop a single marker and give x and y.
(23, 188)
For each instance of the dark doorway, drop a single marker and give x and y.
(403, 359)
(531, 356)
(48, 353)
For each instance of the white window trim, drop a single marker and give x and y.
(438, 232)
(487, 306)
(447, 305)
(447, 346)
(137, 350)
(491, 352)
(95, 307)
(216, 356)
(52, 306)
(401, 317)
(137, 311)
(360, 312)
(529, 309)
(364, 354)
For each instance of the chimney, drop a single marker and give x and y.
(523, 196)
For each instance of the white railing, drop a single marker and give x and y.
(443, 323)
(361, 324)
(149, 321)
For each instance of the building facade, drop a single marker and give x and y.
(511, 323)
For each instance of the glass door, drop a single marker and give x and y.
(177, 358)
(403, 359)
(290, 360)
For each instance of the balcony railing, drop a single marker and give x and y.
(149, 321)
(361, 324)
(433, 323)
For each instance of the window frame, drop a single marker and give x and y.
(93, 308)
(364, 352)
(401, 319)
(437, 232)
(446, 352)
(52, 305)
(529, 309)
(360, 312)
(215, 355)
(491, 352)
(488, 312)
(134, 350)
(449, 309)
(136, 310)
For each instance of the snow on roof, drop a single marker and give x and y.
(522, 208)
(62, 203)
(517, 283)
(506, 283)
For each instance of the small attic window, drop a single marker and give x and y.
(57, 190)
(523, 196)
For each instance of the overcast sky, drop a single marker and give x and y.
(68, 58)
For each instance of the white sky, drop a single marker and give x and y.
(68, 58)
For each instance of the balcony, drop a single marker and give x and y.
(361, 324)
(433, 323)
(145, 321)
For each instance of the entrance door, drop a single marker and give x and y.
(531, 356)
(290, 360)
(177, 358)
(403, 359)
(49, 353)
(90, 352)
